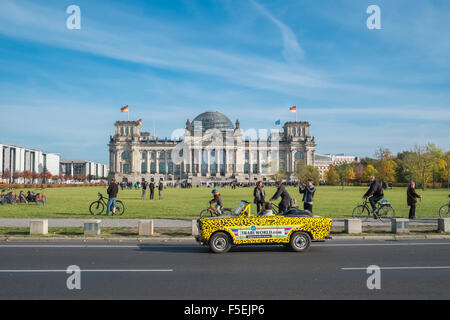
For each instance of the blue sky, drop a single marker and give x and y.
(61, 90)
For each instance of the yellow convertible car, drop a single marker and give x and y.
(242, 228)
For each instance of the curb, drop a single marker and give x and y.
(192, 239)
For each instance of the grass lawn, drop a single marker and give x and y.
(187, 203)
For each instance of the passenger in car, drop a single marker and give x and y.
(266, 210)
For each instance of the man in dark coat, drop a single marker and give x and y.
(308, 191)
(112, 191)
(283, 206)
(151, 186)
(375, 193)
(411, 199)
(160, 188)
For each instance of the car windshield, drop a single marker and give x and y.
(239, 208)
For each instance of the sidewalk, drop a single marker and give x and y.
(173, 223)
(108, 223)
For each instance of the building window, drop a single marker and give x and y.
(121, 131)
(126, 155)
(246, 167)
(162, 167)
(144, 155)
(143, 167)
(282, 155)
(298, 155)
(126, 131)
(126, 168)
(153, 167)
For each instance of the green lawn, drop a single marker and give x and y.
(187, 203)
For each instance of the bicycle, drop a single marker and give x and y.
(444, 211)
(97, 207)
(211, 212)
(9, 197)
(384, 210)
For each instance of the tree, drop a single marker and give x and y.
(342, 171)
(368, 172)
(6, 175)
(422, 162)
(308, 172)
(331, 176)
(387, 170)
(279, 176)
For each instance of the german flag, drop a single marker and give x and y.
(293, 109)
(124, 109)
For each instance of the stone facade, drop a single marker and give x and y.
(211, 149)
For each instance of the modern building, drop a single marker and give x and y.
(323, 161)
(18, 159)
(212, 148)
(92, 170)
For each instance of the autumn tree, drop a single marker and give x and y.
(331, 176)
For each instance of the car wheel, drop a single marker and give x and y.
(220, 242)
(300, 241)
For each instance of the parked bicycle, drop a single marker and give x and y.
(444, 211)
(97, 207)
(384, 210)
(211, 212)
(8, 197)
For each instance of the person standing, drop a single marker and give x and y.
(151, 186)
(411, 199)
(283, 206)
(144, 188)
(259, 195)
(160, 188)
(375, 193)
(112, 191)
(308, 191)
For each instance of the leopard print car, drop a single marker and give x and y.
(243, 228)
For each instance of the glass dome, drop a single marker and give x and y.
(213, 120)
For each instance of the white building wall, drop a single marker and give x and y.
(53, 163)
(1, 158)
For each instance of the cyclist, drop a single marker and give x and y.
(375, 194)
(218, 200)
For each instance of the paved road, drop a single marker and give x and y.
(418, 269)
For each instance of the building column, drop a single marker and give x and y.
(157, 155)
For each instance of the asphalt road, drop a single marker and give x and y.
(418, 269)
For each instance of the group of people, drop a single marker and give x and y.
(151, 186)
(263, 207)
(374, 194)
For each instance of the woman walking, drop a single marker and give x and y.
(411, 199)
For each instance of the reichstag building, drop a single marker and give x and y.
(212, 148)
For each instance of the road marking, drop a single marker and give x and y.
(85, 270)
(400, 268)
(384, 244)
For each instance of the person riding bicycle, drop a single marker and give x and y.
(218, 200)
(375, 194)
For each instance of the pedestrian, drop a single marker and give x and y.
(160, 188)
(411, 199)
(283, 206)
(308, 191)
(144, 188)
(259, 195)
(151, 186)
(112, 191)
